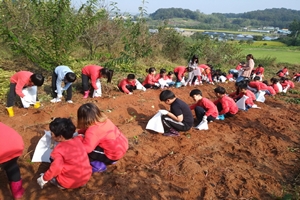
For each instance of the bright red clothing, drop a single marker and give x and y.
(208, 106)
(107, 136)
(259, 71)
(180, 70)
(271, 90)
(258, 85)
(229, 76)
(251, 99)
(150, 79)
(228, 105)
(11, 143)
(93, 72)
(281, 74)
(284, 70)
(286, 83)
(238, 67)
(124, 83)
(71, 165)
(21, 79)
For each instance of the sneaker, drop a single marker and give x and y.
(172, 132)
(98, 166)
(70, 101)
(55, 100)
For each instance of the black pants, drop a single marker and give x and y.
(11, 97)
(12, 170)
(177, 78)
(169, 123)
(98, 154)
(85, 82)
(129, 87)
(54, 94)
(147, 86)
(200, 112)
(220, 108)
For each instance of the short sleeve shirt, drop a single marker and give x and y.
(179, 107)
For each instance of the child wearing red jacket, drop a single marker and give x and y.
(204, 108)
(103, 141)
(19, 81)
(259, 71)
(128, 84)
(180, 71)
(226, 105)
(11, 147)
(94, 72)
(151, 81)
(296, 77)
(251, 96)
(257, 86)
(70, 167)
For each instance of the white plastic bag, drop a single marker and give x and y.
(260, 96)
(241, 103)
(203, 125)
(155, 123)
(98, 92)
(30, 96)
(139, 86)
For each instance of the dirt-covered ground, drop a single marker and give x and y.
(253, 155)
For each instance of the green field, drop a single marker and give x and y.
(282, 55)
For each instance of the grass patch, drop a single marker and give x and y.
(282, 55)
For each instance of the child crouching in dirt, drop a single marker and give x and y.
(103, 141)
(129, 84)
(226, 105)
(11, 147)
(18, 81)
(70, 167)
(179, 118)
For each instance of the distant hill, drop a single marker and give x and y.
(277, 17)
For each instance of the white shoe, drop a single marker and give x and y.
(70, 101)
(55, 100)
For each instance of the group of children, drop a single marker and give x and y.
(76, 155)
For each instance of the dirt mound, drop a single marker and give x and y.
(251, 155)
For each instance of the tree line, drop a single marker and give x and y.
(276, 17)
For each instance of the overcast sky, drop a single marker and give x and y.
(205, 6)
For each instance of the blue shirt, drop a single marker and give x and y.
(61, 72)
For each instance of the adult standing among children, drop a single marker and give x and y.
(61, 74)
(247, 68)
(94, 72)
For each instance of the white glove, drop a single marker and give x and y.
(41, 180)
(204, 118)
(157, 84)
(164, 112)
(130, 93)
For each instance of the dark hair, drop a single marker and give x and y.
(242, 86)
(256, 78)
(70, 77)
(170, 73)
(242, 62)
(260, 65)
(131, 76)
(166, 94)
(194, 58)
(251, 56)
(150, 70)
(62, 126)
(89, 114)
(274, 80)
(195, 92)
(282, 79)
(220, 90)
(266, 82)
(162, 71)
(108, 73)
(37, 79)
